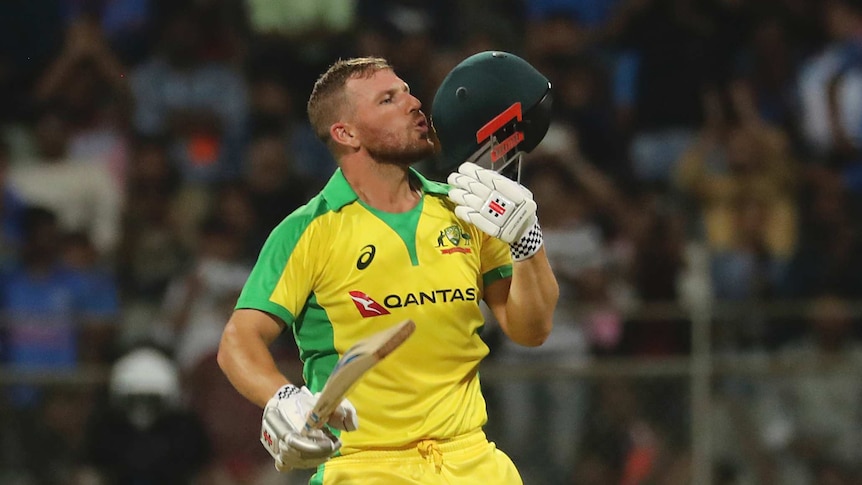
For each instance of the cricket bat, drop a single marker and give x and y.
(358, 360)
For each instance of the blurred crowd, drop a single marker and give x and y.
(702, 154)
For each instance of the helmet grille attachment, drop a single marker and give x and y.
(492, 105)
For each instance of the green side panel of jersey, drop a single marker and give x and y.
(314, 336)
(404, 224)
(317, 478)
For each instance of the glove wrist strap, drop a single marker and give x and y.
(528, 245)
(286, 391)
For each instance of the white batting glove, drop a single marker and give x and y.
(344, 417)
(498, 206)
(284, 435)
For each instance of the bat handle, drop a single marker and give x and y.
(313, 421)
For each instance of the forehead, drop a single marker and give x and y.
(374, 85)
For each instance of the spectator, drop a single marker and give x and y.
(553, 37)
(829, 84)
(812, 423)
(643, 245)
(83, 195)
(765, 77)
(742, 180)
(233, 206)
(55, 319)
(737, 168)
(620, 440)
(155, 242)
(78, 254)
(144, 435)
(653, 241)
(659, 109)
(127, 24)
(273, 116)
(275, 188)
(47, 441)
(90, 85)
(201, 106)
(829, 253)
(198, 302)
(582, 102)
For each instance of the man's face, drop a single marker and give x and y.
(387, 119)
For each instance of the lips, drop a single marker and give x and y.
(422, 124)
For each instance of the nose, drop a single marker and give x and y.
(414, 104)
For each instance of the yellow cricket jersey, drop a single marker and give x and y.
(336, 271)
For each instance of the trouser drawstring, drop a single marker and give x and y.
(431, 452)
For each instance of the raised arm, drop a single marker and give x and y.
(524, 304)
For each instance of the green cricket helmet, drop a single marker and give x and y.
(491, 107)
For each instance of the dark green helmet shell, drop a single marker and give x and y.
(477, 90)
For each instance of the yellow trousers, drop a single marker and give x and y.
(466, 460)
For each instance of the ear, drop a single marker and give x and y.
(344, 134)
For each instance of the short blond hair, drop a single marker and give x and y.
(328, 96)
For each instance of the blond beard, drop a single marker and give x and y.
(402, 156)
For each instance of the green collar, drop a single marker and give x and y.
(338, 192)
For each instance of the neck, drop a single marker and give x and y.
(385, 187)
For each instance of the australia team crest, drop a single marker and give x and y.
(453, 240)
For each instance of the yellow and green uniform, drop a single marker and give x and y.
(337, 270)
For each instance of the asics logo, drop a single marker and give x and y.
(365, 257)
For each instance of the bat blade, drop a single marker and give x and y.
(358, 360)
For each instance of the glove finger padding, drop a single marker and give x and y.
(283, 431)
(470, 185)
(494, 181)
(495, 204)
(467, 199)
(292, 459)
(344, 417)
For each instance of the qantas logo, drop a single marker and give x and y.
(369, 308)
(366, 305)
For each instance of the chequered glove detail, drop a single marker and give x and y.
(528, 245)
(286, 391)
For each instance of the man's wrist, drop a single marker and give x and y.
(529, 244)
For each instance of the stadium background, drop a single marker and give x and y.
(699, 188)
